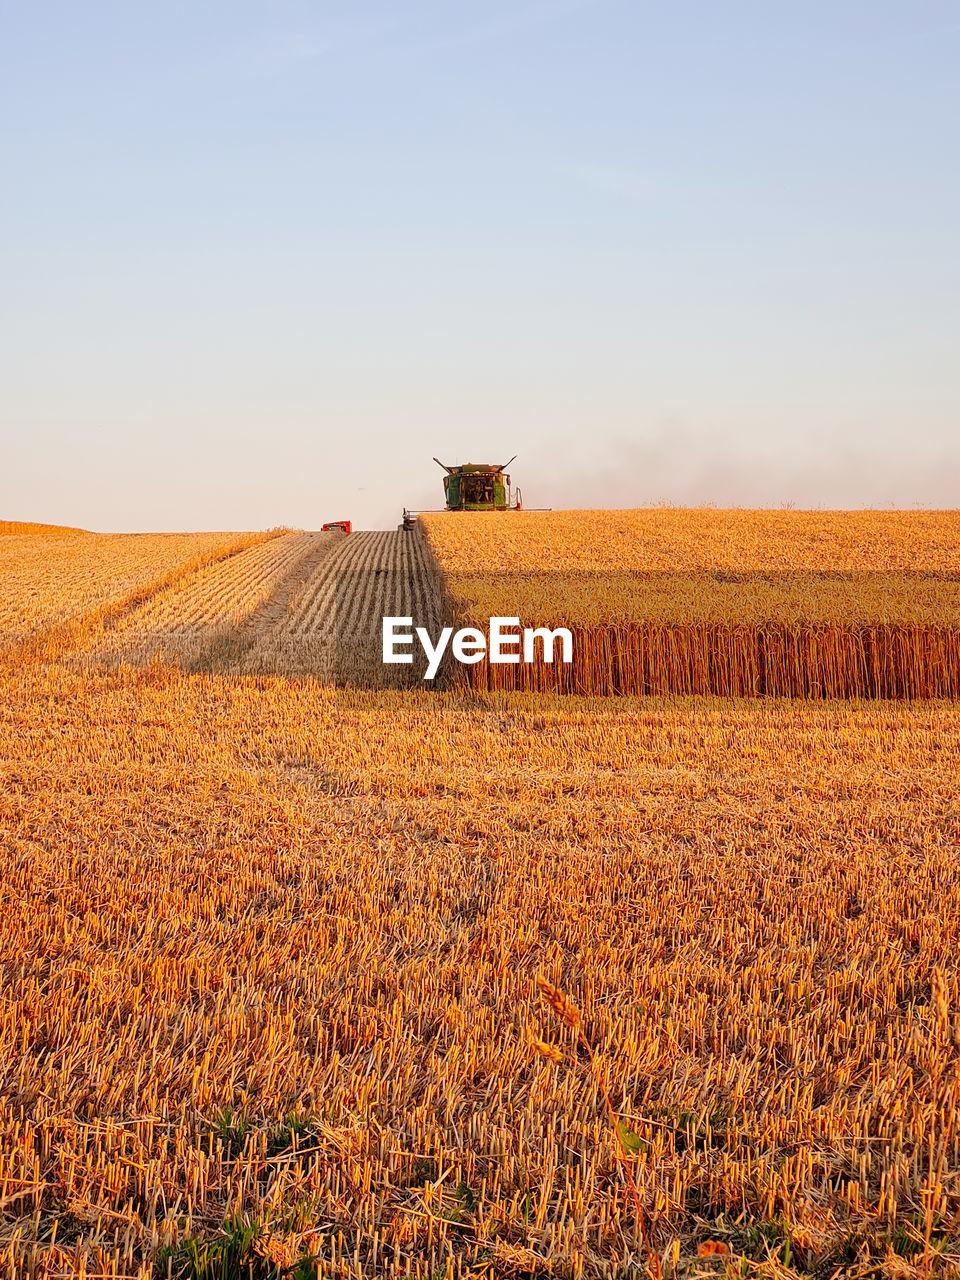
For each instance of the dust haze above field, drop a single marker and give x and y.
(678, 467)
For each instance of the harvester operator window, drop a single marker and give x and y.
(479, 490)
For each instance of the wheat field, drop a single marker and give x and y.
(30, 526)
(678, 539)
(303, 979)
(738, 603)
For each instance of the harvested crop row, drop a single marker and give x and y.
(57, 578)
(333, 628)
(205, 612)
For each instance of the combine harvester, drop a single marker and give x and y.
(474, 486)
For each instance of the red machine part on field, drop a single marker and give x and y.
(343, 525)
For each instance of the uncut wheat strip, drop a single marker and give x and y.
(698, 538)
(885, 661)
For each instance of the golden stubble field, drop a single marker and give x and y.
(268, 978)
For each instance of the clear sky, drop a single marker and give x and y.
(260, 261)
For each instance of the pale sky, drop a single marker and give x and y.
(260, 261)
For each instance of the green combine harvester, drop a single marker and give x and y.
(478, 486)
(474, 486)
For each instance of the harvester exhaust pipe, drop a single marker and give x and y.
(448, 470)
